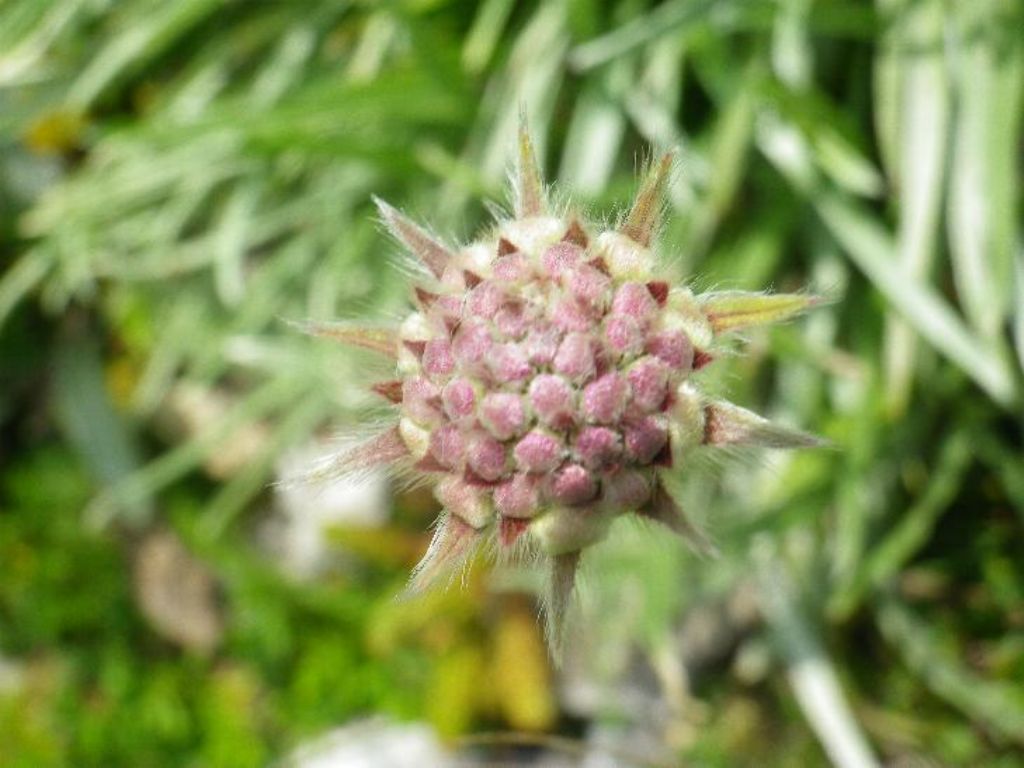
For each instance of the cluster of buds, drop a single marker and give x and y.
(544, 381)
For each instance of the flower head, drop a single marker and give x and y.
(544, 380)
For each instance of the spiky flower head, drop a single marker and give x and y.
(544, 381)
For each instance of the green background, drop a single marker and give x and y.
(177, 178)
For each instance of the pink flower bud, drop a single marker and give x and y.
(597, 447)
(421, 400)
(502, 414)
(459, 399)
(486, 457)
(560, 257)
(674, 348)
(572, 485)
(645, 437)
(448, 447)
(472, 344)
(648, 378)
(575, 357)
(437, 358)
(634, 300)
(605, 399)
(623, 335)
(518, 497)
(538, 452)
(553, 401)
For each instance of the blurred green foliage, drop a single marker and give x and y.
(177, 178)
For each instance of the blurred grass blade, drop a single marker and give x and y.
(811, 673)
(914, 527)
(185, 457)
(1018, 323)
(148, 35)
(22, 279)
(997, 705)
(485, 34)
(662, 20)
(231, 243)
(921, 125)
(983, 205)
(872, 249)
(596, 131)
(98, 433)
(232, 497)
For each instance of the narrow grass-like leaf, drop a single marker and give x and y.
(998, 706)
(662, 20)
(921, 150)
(982, 212)
(145, 37)
(913, 528)
(135, 489)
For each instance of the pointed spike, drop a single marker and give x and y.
(434, 255)
(529, 185)
(429, 464)
(425, 298)
(559, 598)
(701, 359)
(382, 340)
(664, 510)
(735, 310)
(453, 542)
(472, 278)
(379, 451)
(729, 424)
(645, 215)
(390, 390)
(416, 347)
(575, 234)
(505, 247)
(659, 291)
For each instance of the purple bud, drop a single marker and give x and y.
(472, 344)
(597, 447)
(502, 414)
(486, 457)
(572, 485)
(459, 399)
(448, 447)
(560, 257)
(512, 320)
(575, 357)
(635, 300)
(437, 358)
(538, 452)
(674, 348)
(541, 345)
(421, 400)
(623, 335)
(552, 400)
(469, 503)
(648, 378)
(590, 287)
(512, 268)
(625, 489)
(508, 363)
(485, 300)
(518, 497)
(605, 399)
(645, 437)
(569, 315)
